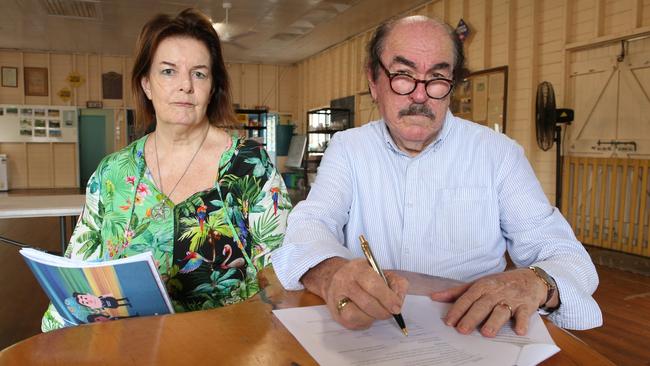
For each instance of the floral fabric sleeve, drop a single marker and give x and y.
(86, 240)
(85, 235)
(268, 224)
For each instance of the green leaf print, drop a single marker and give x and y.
(100, 209)
(91, 241)
(114, 222)
(263, 232)
(219, 283)
(259, 169)
(127, 165)
(93, 185)
(49, 322)
(214, 222)
(141, 228)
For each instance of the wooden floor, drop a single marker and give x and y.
(624, 297)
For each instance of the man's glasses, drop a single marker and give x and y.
(404, 84)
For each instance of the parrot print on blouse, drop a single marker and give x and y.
(208, 248)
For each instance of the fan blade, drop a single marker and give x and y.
(235, 44)
(545, 115)
(242, 35)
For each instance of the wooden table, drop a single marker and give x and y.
(241, 334)
(62, 206)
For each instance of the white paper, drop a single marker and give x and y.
(430, 342)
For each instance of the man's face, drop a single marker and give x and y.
(89, 300)
(424, 51)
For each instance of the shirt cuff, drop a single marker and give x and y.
(578, 310)
(292, 261)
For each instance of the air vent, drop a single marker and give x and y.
(79, 9)
(286, 37)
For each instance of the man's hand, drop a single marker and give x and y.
(491, 301)
(370, 299)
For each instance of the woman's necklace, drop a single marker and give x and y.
(155, 142)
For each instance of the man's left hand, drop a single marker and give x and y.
(492, 300)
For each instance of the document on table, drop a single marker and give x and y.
(430, 341)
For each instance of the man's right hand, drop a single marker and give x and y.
(336, 278)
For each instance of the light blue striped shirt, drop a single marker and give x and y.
(451, 211)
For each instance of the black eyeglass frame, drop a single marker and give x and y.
(392, 75)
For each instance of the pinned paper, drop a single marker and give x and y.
(65, 94)
(75, 79)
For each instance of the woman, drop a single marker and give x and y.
(210, 207)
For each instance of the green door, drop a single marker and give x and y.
(92, 145)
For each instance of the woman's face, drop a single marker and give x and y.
(179, 83)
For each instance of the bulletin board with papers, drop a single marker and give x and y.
(38, 123)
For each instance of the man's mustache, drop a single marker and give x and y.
(417, 109)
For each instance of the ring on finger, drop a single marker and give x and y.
(342, 304)
(501, 303)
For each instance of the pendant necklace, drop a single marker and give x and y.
(162, 209)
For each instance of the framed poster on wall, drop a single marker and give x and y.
(36, 83)
(10, 77)
(111, 85)
(482, 98)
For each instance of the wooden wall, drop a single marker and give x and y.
(41, 164)
(59, 66)
(533, 38)
(273, 86)
(54, 165)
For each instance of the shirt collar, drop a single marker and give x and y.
(447, 125)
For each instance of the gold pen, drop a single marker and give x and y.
(365, 246)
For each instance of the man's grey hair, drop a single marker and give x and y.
(376, 46)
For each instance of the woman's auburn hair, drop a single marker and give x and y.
(192, 24)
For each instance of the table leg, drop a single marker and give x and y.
(63, 234)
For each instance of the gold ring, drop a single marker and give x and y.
(342, 303)
(507, 306)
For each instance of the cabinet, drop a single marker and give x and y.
(321, 125)
(254, 123)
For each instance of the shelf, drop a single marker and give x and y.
(326, 130)
(258, 129)
(232, 127)
(251, 111)
(321, 125)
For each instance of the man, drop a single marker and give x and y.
(102, 302)
(433, 194)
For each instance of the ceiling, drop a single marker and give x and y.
(259, 31)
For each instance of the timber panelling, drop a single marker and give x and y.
(605, 201)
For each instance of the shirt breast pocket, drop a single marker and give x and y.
(461, 217)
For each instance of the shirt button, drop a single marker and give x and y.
(409, 204)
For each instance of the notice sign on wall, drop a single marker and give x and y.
(32, 123)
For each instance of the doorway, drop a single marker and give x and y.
(92, 145)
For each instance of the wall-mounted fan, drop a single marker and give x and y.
(548, 127)
(226, 31)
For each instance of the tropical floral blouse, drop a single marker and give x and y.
(208, 248)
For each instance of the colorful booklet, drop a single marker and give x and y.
(87, 292)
